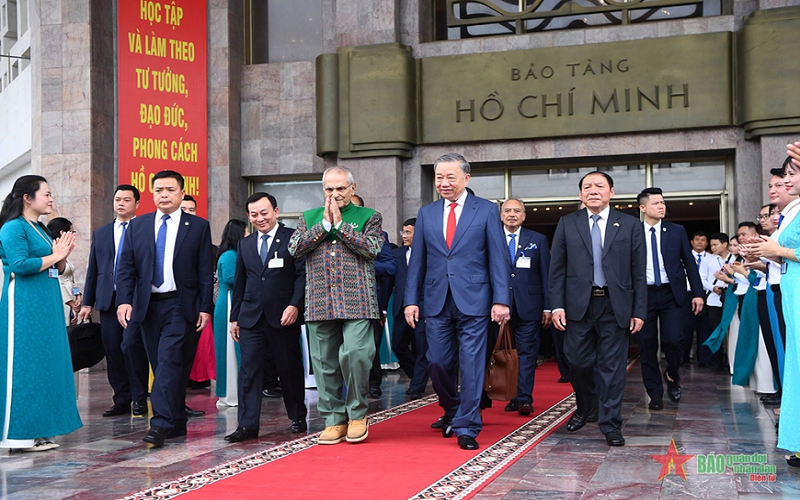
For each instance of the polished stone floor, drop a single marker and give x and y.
(106, 458)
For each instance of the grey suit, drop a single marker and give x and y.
(598, 320)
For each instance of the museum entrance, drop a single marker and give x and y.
(696, 192)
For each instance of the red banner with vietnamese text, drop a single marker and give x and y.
(163, 95)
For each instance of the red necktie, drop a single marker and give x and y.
(451, 224)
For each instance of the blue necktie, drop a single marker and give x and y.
(699, 258)
(119, 249)
(264, 248)
(161, 246)
(780, 221)
(512, 248)
(597, 253)
(654, 251)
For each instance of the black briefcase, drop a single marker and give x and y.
(85, 344)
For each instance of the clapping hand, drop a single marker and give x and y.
(64, 245)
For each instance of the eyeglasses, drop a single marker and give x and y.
(406, 233)
(340, 189)
(762, 217)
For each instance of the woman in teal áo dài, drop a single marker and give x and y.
(37, 391)
(227, 351)
(786, 250)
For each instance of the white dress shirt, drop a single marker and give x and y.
(708, 266)
(651, 277)
(458, 210)
(270, 240)
(169, 249)
(600, 223)
(508, 240)
(117, 236)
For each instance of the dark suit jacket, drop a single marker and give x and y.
(259, 289)
(99, 287)
(624, 265)
(474, 269)
(529, 285)
(192, 265)
(400, 280)
(679, 261)
(385, 271)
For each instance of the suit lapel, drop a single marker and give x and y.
(665, 241)
(467, 215)
(275, 246)
(612, 228)
(249, 249)
(183, 229)
(582, 227)
(149, 221)
(438, 224)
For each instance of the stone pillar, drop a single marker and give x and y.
(72, 54)
(379, 183)
(748, 182)
(227, 189)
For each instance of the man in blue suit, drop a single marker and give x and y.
(458, 263)
(528, 260)
(669, 263)
(409, 344)
(266, 309)
(598, 295)
(127, 375)
(165, 283)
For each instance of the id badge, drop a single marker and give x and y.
(275, 262)
(52, 273)
(76, 290)
(524, 262)
(783, 267)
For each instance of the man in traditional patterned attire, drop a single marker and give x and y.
(340, 241)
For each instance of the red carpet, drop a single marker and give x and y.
(402, 457)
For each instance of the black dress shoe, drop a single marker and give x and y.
(299, 426)
(117, 410)
(614, 438)
(576, 422)
(793, 460)
(438, 423)
(241, 434)
(656, 403)
(447, 426)
(194, 413)
(177, 431)
(467, 443)
(673, 389)
(525, 409)
(512, 406)
(155, 436)
(592, 415)
(413, 396)
(273, 393)
(375, 392)
(139, 409)
(771, 400)
(563, 380)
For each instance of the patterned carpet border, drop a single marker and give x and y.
(195, 481)
(483, 467)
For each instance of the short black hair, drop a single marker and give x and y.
(722, 237)
(187, 197)
(128, 187)
(752, 225)
(646, 193)
(608, 178)
(410, 222)
(58, 225)
(772, 207)
(168, 174)
(257, 196)
(781, 171)
(700, 233)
